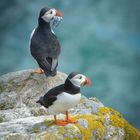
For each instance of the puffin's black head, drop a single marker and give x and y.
(47, 15)
(43, 11)
(78, 79)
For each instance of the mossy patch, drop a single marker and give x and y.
(92, 126)
(48, 123)
(70, 132)
(35, 129)
(95, 125)
(118, 121)
(5, 105)
(131, 133)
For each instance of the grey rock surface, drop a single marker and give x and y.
(20, 90)
(22, 119)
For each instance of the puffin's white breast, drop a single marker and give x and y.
(64, 102)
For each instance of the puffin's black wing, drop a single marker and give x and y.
(51, 95)
(49, 102)
(44, 63)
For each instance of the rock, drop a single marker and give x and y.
(19, 91)
(22, 119)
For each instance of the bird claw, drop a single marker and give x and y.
(69, 119)
(39, 71)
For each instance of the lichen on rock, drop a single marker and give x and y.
(22, 119)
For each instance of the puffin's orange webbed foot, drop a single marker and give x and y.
(39, 71)
(69, 119)
(60, 122)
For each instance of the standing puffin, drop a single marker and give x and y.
(44, 45)
(63, 97)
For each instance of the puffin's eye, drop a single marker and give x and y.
(80, 77)
(51, 12)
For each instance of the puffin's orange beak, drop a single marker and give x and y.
(87, 82)
(58, 13)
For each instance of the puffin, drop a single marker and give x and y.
(65, 96)
(44, 45)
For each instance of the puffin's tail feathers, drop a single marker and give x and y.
(40, 100)
(50, 73)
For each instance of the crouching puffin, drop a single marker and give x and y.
(63, 97)
(44, 45)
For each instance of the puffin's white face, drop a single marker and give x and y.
(49, 15)
(79, 80)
